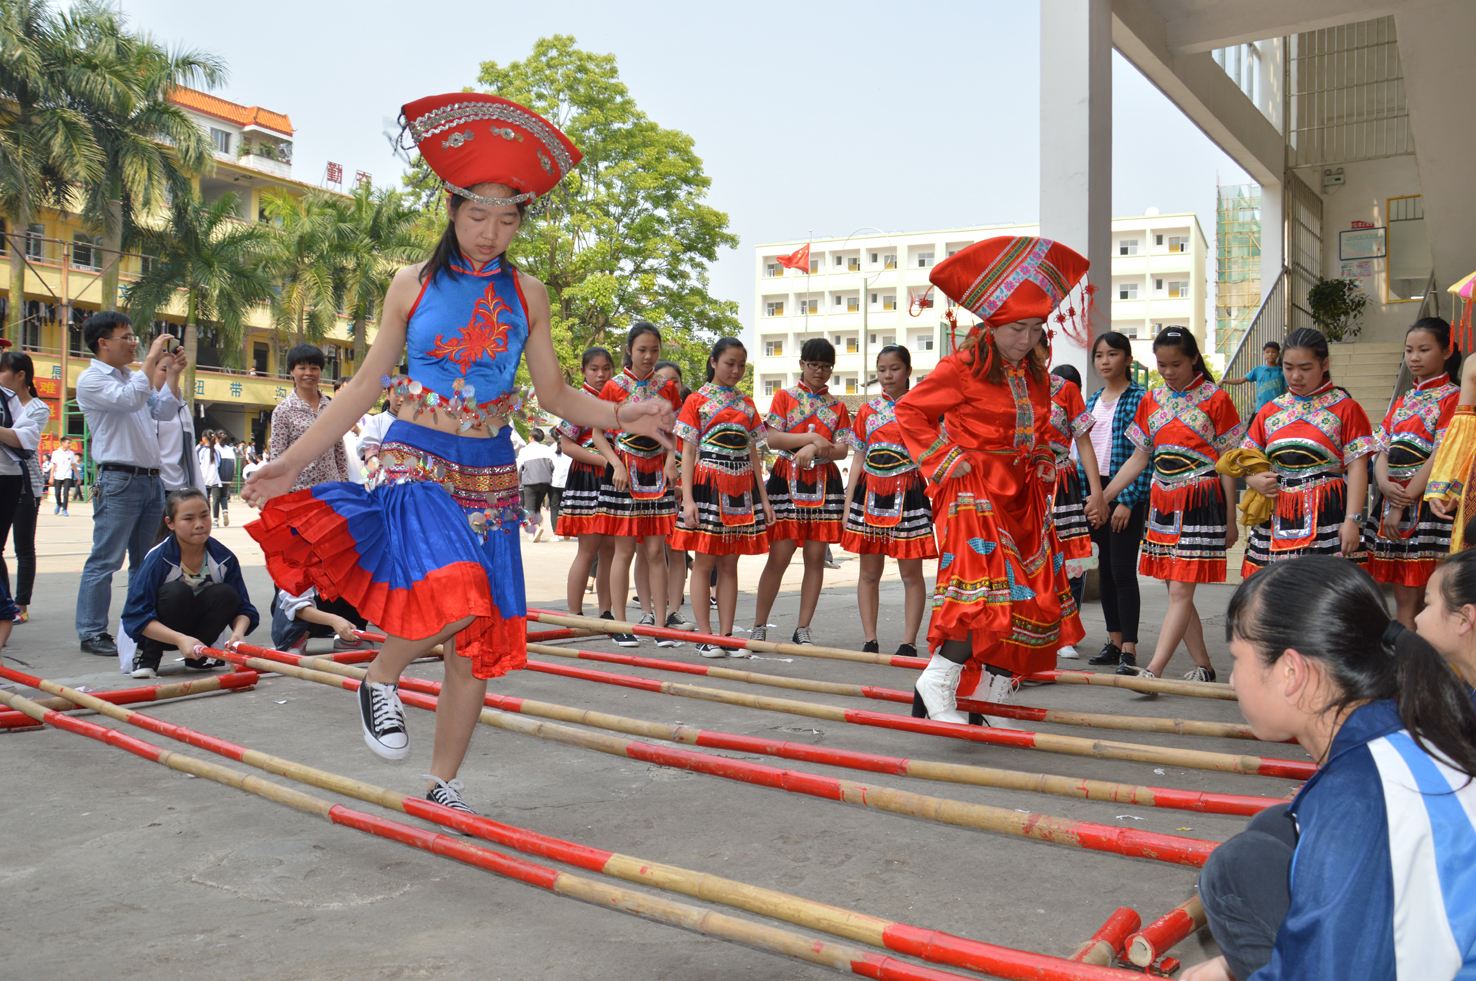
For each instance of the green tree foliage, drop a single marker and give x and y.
(308, 250)
(383, 233)
(627, 236)
(214, 262)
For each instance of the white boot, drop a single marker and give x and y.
(996, 688)
(938, 688)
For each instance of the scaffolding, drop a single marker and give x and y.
(1237, 262)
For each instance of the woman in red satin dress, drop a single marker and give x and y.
(978, 427)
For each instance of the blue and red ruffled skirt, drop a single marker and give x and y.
(433, 540)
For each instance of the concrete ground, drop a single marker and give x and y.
(118, 867)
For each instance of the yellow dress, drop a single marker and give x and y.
(1453, 474)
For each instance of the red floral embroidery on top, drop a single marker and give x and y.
(484, 337)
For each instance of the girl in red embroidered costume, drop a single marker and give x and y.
(637, 504)
(579, 509)
(978, 427)
(1181, 429)
(1317, 439)
(725, 510)
(1071, 423)
(810, 429)
(678, 561)
(430, 552)
(887, 510)
(1405, 537)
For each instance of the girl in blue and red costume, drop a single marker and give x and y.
(431, 552)
(979, 428)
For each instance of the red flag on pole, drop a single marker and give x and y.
(798, 259)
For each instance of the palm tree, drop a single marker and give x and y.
(383, 235)
(309, 237)
(47, 146)
(151, 148)
(218, 261)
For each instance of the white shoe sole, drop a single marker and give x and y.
(384, 752)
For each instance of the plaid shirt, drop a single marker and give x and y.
(1122, 447)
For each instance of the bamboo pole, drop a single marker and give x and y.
(1158, 937)
(1148, 686)
(1167, 686)
(1022, 739)
(598, 626)
(980, 817)
(961, 773)
(839, 957)
(1131, 723)
(1106, 943)
(932, 945)
(234, 681)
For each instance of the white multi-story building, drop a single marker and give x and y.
(861, 293)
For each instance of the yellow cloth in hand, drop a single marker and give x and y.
(1453, 474)
(1255, 507)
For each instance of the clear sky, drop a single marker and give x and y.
(811, 118)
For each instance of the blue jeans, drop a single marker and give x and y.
(126, 512)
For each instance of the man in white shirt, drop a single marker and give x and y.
(121, 408)
(63, 475)
(535, 468)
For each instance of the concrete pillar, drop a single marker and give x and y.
(1273, 234)
(1076, 148)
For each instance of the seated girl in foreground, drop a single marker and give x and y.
(1366, 873)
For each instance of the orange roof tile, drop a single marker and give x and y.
(232, 112)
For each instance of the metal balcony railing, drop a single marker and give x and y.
(1269, 324)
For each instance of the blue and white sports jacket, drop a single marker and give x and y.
(1383, 879)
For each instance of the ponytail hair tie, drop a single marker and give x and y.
(1392, 633)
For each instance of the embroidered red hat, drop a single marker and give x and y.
(470, 138)
(1002, 280)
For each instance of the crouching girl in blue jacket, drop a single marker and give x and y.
(187, 591)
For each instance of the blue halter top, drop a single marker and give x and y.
(466, 333)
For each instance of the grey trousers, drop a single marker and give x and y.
(1246, 889)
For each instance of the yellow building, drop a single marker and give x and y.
(65, 259)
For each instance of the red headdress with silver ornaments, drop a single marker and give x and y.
(1010, 278)
(470, 138)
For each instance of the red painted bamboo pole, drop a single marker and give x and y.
(1017, 738)
(234, 681)
(1207, 802)
(1131, 723)
(1158, 937)
(1167, 686)
(1107, 942)
(1028, 824)
(840, 957)
(927, 944)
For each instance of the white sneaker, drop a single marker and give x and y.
(1068, 653)
(938, 688)
(711, 650)
(1200, 674)
(382, 718)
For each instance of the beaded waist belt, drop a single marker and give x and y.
(461, 406)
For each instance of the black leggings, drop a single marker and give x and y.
(24, 528)
(63, 491)
(202, 615)
(1246, 889)
(1117, 572)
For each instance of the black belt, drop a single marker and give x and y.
(125, 468)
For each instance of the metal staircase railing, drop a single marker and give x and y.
(1269, 324)
(1429, 307)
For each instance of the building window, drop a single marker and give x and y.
(1158, 239)
(875, 257)
(774, 308)
(36, 241)
(853, 303)
(1127, 246)
(873, 298)
(87, 251)
(835, 339)
(923, 342)
(852, 344)
(1178, 289)
(871, 339)
(222, 140)
(146, 264)
(889, 261)
(1178, 243)
(771, 386)
(1158, 285)
(773, 349)
(1127, 291)
(924, 260)
(888, 340)
(854, 263)
(814, 265)
(772, 269)
(809, 304)
(889, 301)
(840, 260)
(850, 384)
